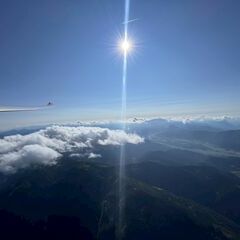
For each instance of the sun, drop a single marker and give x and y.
(125, 46)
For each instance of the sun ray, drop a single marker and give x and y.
(125, 48)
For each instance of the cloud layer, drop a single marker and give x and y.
(46, 146)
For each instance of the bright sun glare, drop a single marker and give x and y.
(126, 46)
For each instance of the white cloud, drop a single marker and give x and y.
(78, 155)
(47, 145)
(26, 156)
(94, 155)
(88, 155)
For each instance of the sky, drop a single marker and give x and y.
(185, 59)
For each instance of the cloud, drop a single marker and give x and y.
(94, 155)
(47, 145)
(78, 155)
(88, 155)
(26, 156)
(83, 155)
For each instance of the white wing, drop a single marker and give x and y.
(23, 109)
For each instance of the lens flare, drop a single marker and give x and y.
(126, 46)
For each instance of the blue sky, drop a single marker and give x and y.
(186, 59)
